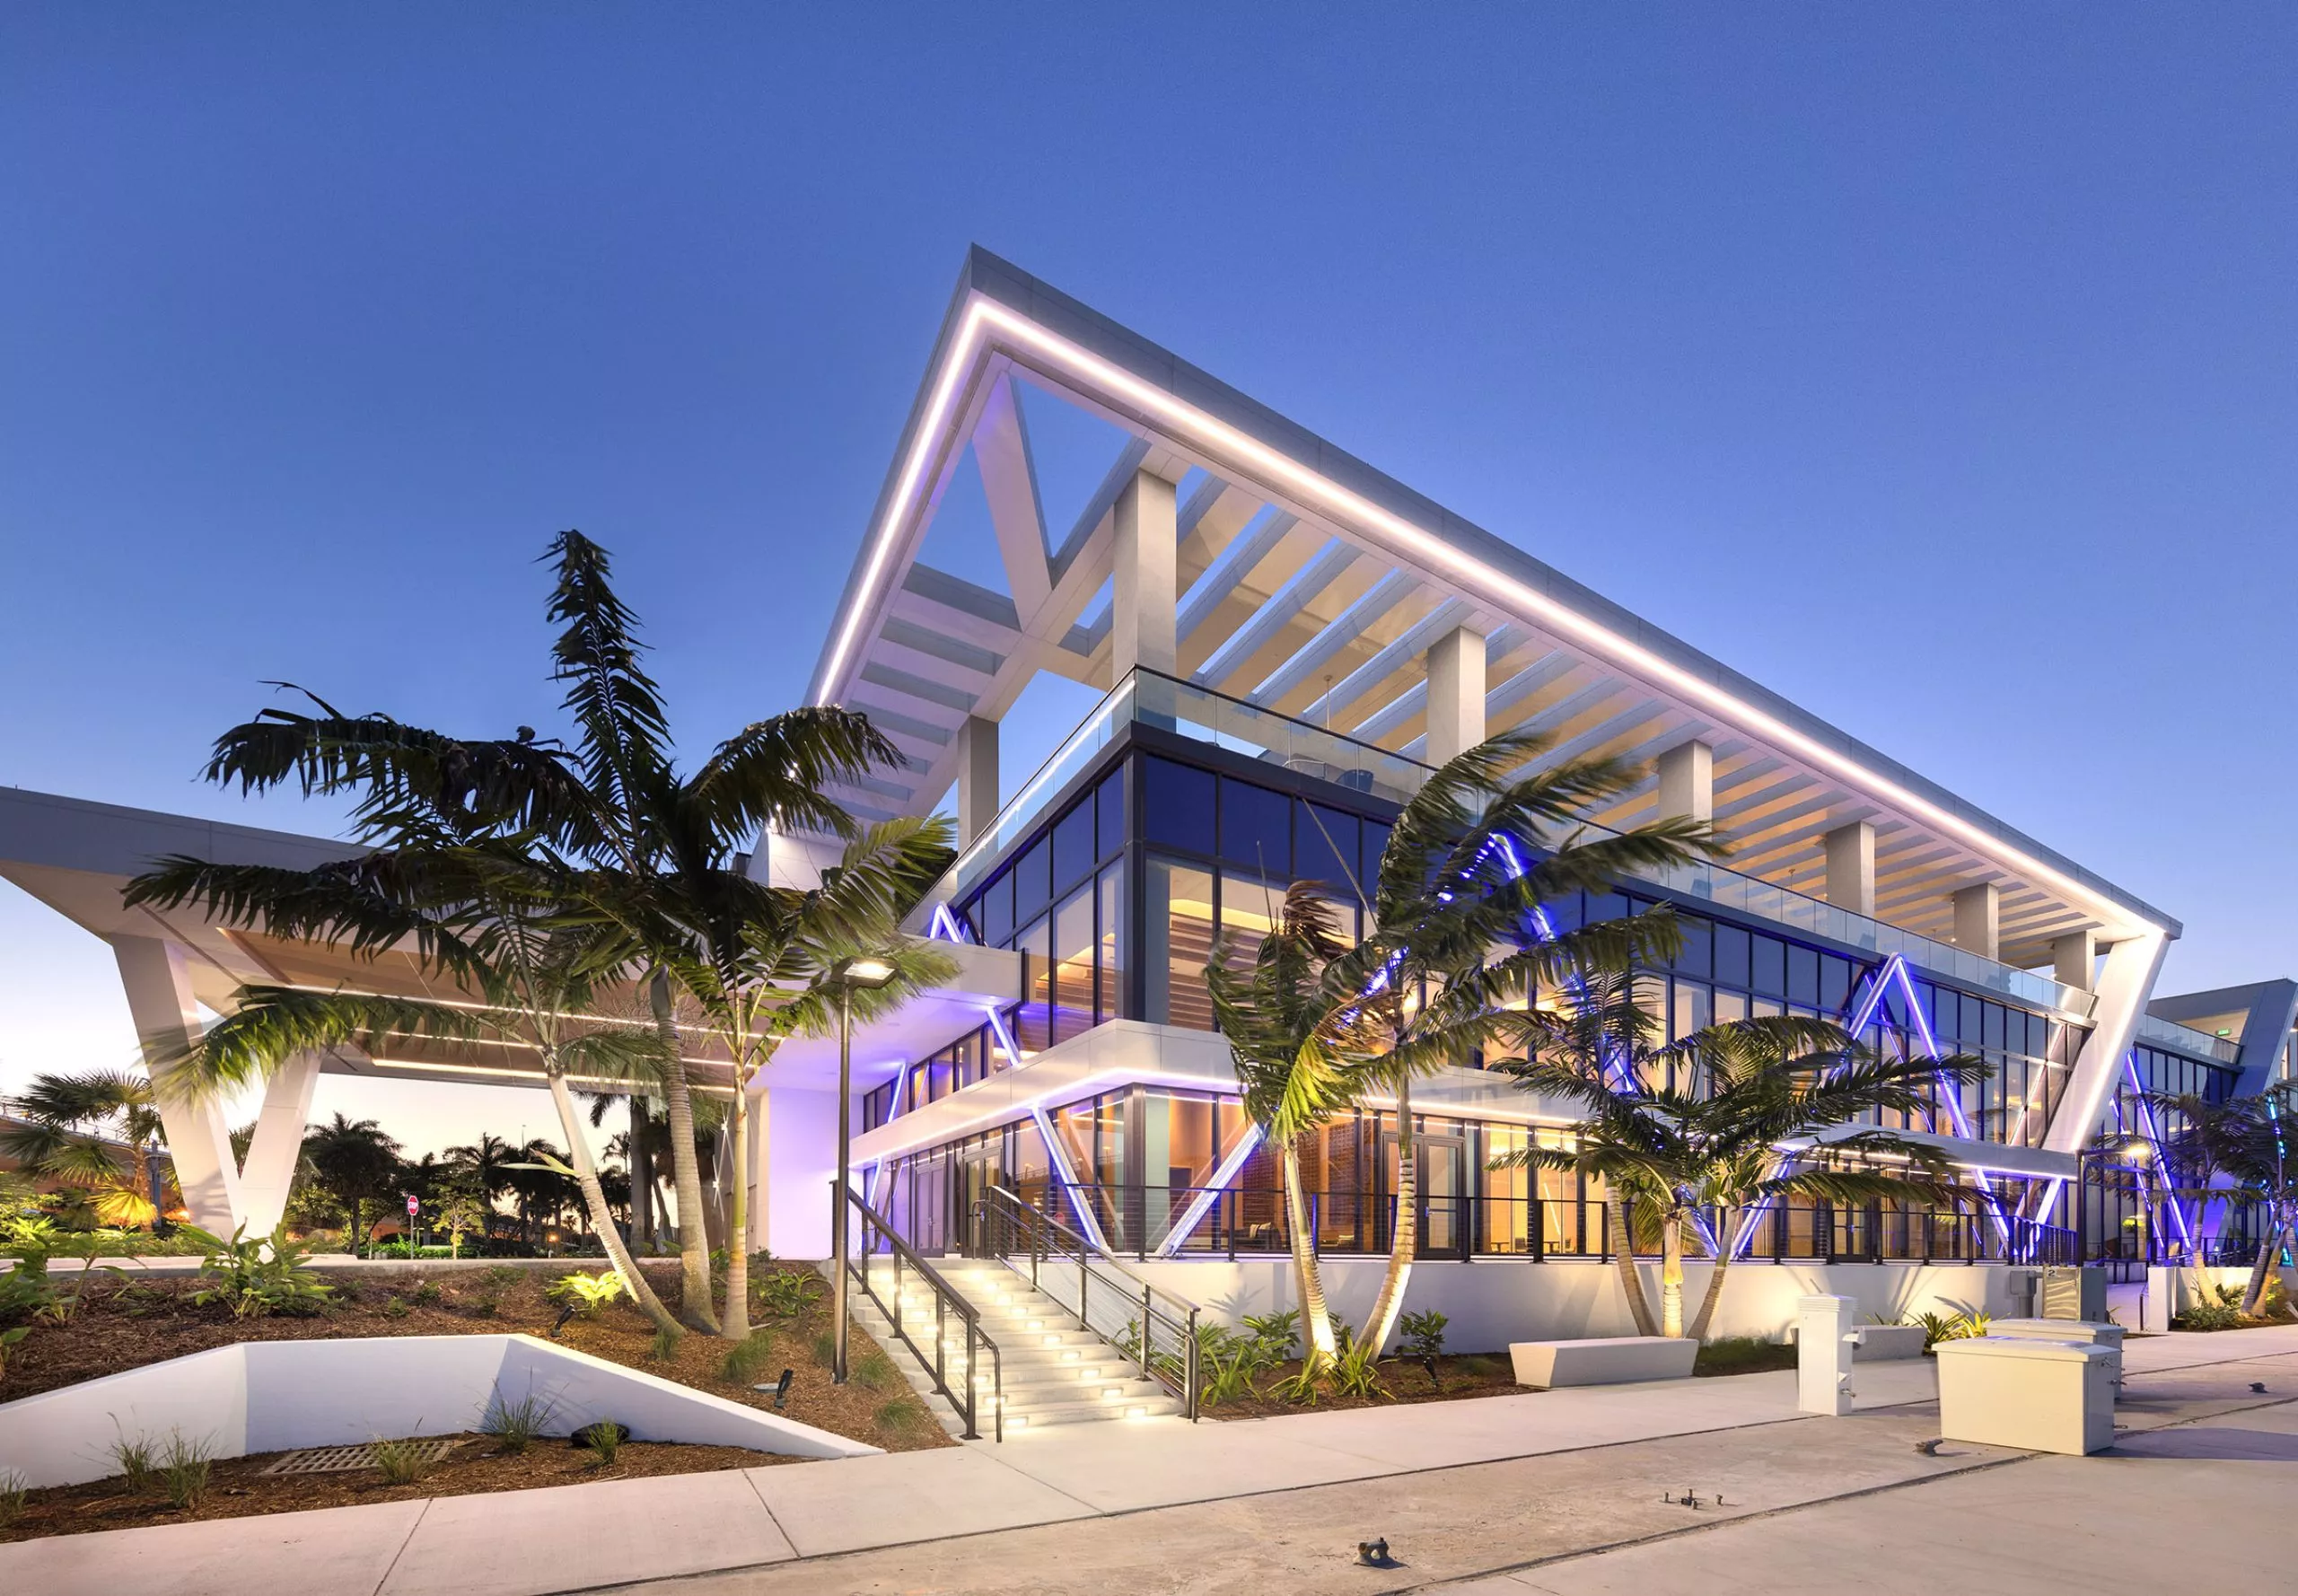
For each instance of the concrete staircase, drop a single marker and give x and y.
(1054, 1373)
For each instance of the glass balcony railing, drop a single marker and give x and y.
(2182, 1038)
(1152, 698)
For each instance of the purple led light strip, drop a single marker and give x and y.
(2153, 1132)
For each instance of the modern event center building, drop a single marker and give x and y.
(1284, 642)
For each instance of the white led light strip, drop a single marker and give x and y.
(1219, 438)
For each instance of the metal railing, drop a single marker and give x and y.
(876, 1236)
(1139, 1222)
(1150, 1325)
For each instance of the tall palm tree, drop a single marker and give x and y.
(758, 961)
(1456, 929)
(615, 802)
(90, 1131)
(354, 1163)
(486, 1161)
(1732, 1119)
(1298, 1057)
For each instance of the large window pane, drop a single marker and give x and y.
(1256, 828)
(1177, 805)
(1073, 846)
(1033, 881)
(1370, 847)
(1325, 843)
(993, 919)
(1031, 1025)
(1249, 910)
(1177, 922)
(1073, 955)
(1109, 804)
(1109, 1000)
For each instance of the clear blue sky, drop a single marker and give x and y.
(1938, 368)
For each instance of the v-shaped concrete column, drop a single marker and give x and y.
(167, 1020)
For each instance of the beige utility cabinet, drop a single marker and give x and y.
(2038, 1396)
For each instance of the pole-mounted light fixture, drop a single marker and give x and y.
(867, 973)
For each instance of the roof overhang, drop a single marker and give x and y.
(1312, 586)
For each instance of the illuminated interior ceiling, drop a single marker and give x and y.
(1311, 585)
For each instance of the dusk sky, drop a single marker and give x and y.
(1937, 367)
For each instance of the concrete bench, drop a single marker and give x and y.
(1878, 1342)
(1611, 1360)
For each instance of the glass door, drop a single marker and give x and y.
(1442, 1198)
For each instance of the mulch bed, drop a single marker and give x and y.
(1471, 1375)
(237, 1487)
(125, 1323)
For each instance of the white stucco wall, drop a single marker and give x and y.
(1491, 1303)
(801, 1143)
(273, 1396)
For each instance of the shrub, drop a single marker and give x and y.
(1949, 1327)
(25, 1292)
(744, 1359)
(604, 1438)
(588, 1295)
(254, 1285)
(1742, 1354)
(403, 1462)
(786, 1292)
(898, 1416)
(9, 1338)
(183, 1470)
(666, 1343)
(12, 1499)
(516, 1424)
(1424, 1340)
(824, 1346)
(394, 1307)
(425, 1292)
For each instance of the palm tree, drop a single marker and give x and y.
(1297, 1056)
(486, 1161)
(615, 802)
(1456, 932)
(2240, 1138)
(482, 906)
(354, 1163)
(1731, 1120)
(90, 1131)
(758, 961)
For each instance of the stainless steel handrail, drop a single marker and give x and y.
(1039, 1229)
(945, 1299)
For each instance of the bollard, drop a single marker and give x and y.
(1826, 1331)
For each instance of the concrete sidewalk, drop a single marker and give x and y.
(580, 1537)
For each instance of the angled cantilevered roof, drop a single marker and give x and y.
(1311, 585)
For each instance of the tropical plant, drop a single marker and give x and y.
(402, 1463)
(258, 1276)
(89, 1131)
(183, 1469)
(1456, 932)
(1958, 1326)
(588, 1293)
(1424, 1339)
(604, 1438)
(26, 1290)
(8, 1339)
(1695, 1128)
(786, 1292)
(13, 1492)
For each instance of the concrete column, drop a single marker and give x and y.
(1851, 867)
(1144, 615)
(977, 778)
(279, 1143)
(1688, 782)
(2125, 983)
(2073, 960)
(167, 1021)
(1978, 919)
(758, 1127)
(1455, 695)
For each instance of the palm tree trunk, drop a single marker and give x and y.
(1671, 1276)
(2254, 1294)
(1631, 1282)
(1405, 1240)
(1316, 1316)
(686, 1174)
(595, 1198)
(1729, 1235)
(734, 1323)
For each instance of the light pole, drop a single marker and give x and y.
(849, 973)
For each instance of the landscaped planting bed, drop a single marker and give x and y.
(125, 1323)
(238, 1487)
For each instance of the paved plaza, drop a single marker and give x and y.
(1558, 1491)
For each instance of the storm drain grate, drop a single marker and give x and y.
(336, 1460)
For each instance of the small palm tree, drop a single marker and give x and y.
(1731, 1120)
(759, 961)
(89, 1131)
(1298, 1057)
(1456, 927)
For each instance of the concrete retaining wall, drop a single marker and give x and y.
(275, 1395)
(1493, 1302)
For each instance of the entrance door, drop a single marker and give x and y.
(1443, 1192)
(976, 1171)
